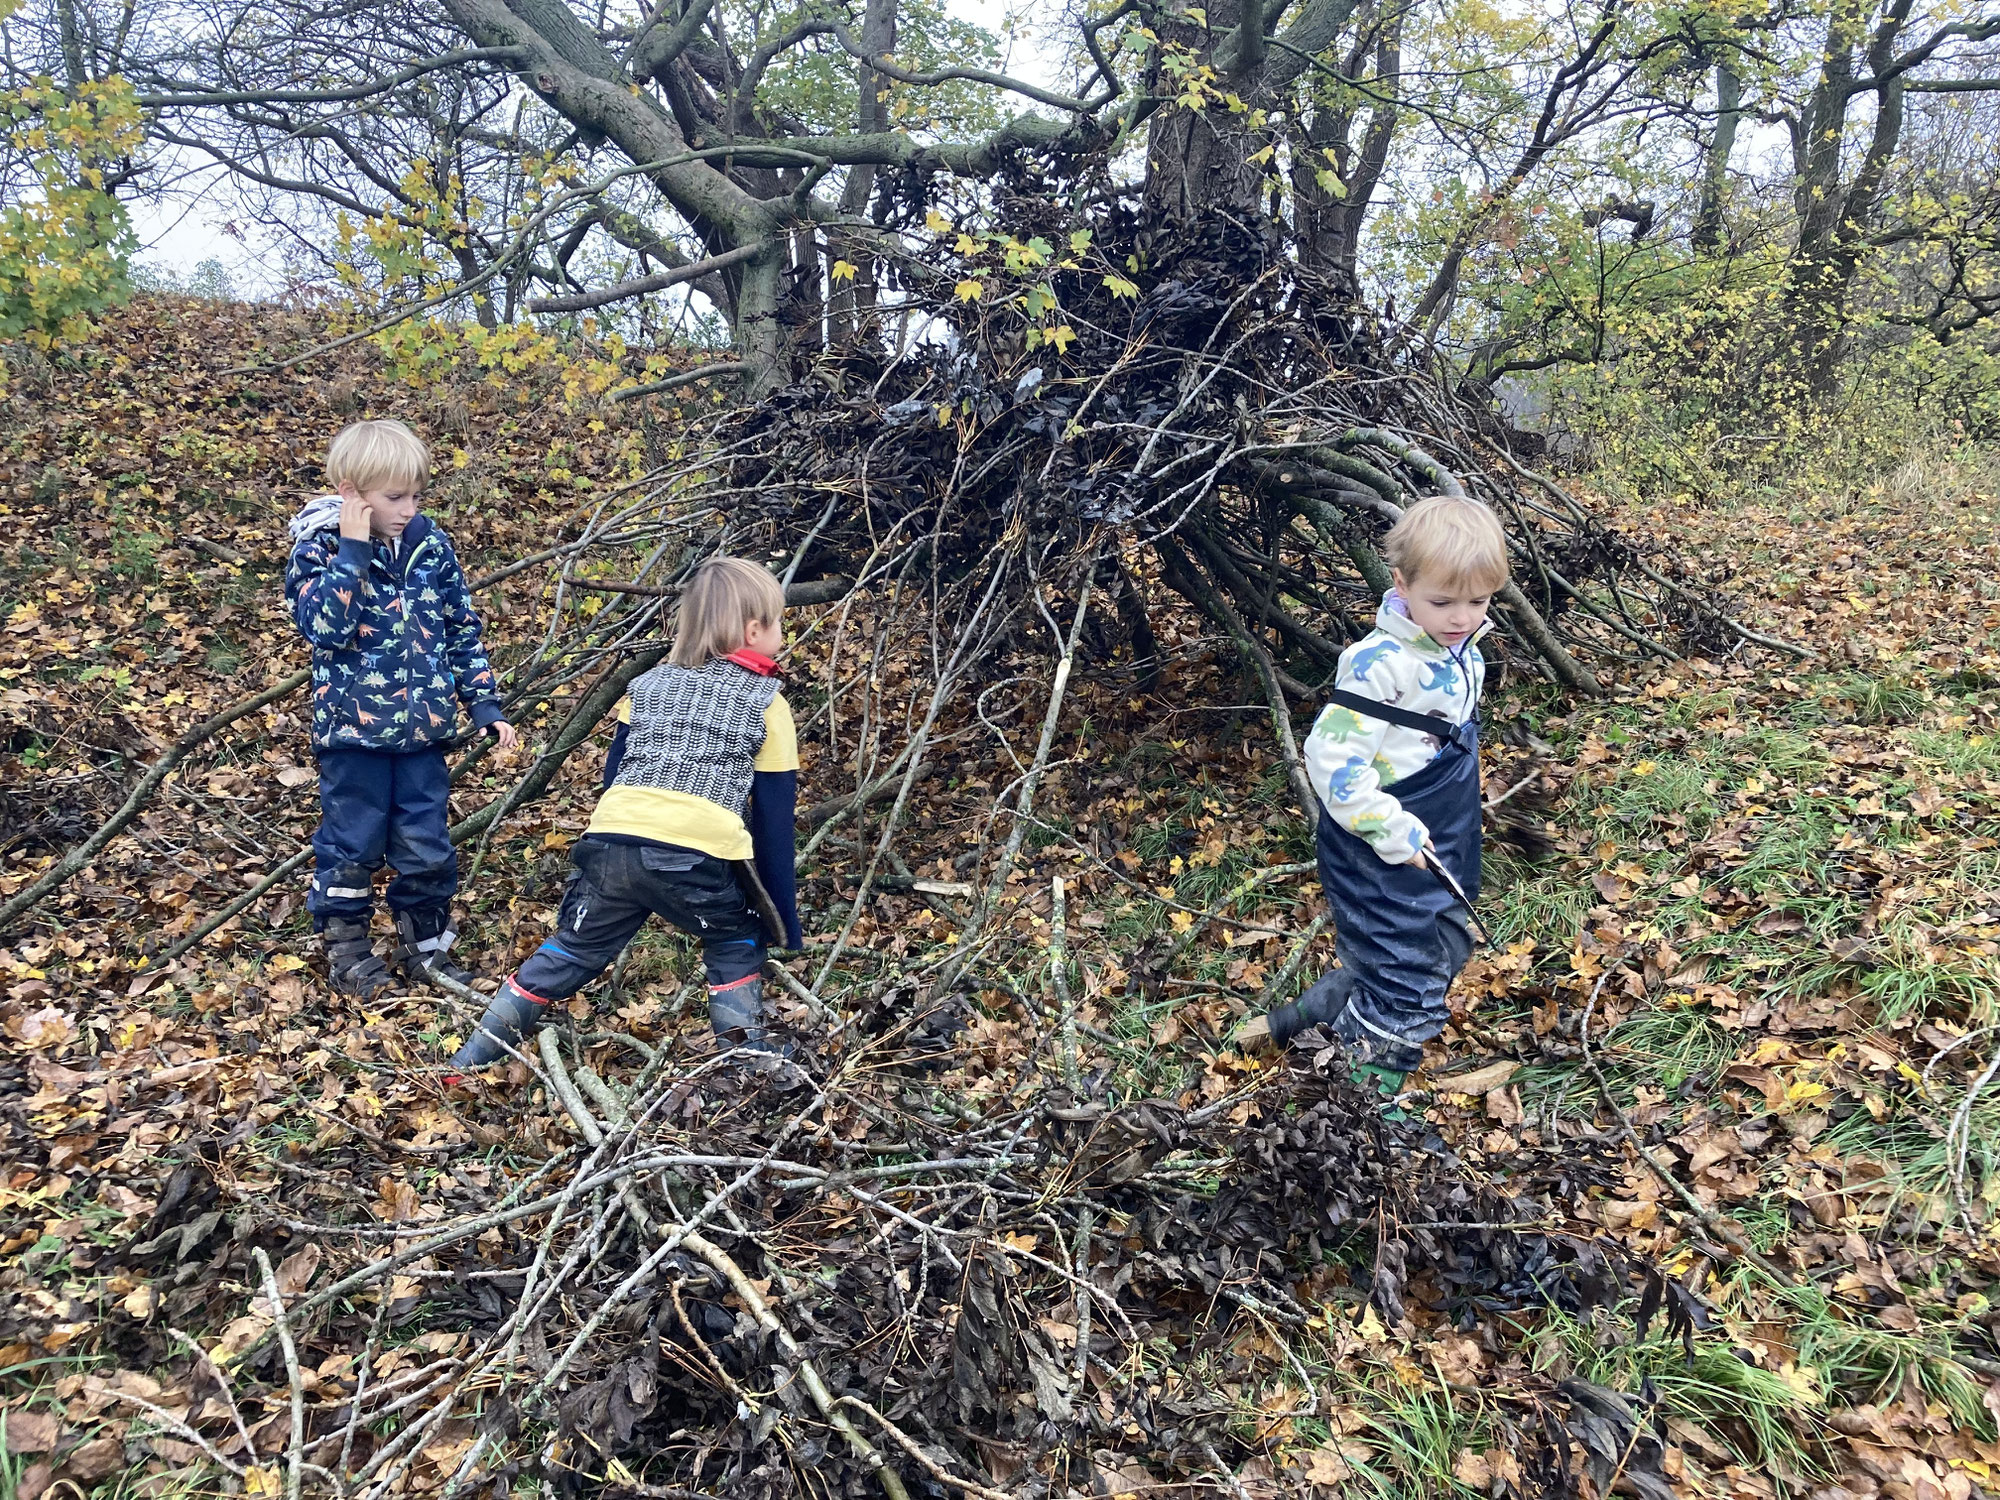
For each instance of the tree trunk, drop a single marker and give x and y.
(850, 304)
(1708, 224)
(570, 69)
(1331, 221)
(1198, 160)
(1833, 220)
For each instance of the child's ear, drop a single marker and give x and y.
(1396, 577)
(347, 489)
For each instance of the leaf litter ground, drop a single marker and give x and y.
(1046, 1227)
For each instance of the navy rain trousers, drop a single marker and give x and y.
(1400, 933)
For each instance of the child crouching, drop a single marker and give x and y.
(1394, 758)
(695, 824)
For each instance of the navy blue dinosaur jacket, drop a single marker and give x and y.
(395, 642)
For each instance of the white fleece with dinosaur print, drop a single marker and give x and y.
(1353, 759)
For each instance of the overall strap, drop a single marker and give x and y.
(1404, 718)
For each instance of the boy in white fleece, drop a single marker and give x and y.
(1394, 758)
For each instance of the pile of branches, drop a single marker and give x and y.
(725, 1288)
(1222, 419)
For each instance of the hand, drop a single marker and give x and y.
(504, 734)
(357, 517)
(1419, 861)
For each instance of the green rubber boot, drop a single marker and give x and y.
(1373, 1078)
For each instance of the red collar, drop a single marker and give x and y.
(753, 661)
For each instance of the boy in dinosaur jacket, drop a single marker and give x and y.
(378, 593)
(1394, 759)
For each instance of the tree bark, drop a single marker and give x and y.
(1834, 219)
(574, 73)
(1198, 160)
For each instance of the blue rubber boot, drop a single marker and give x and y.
(509, 1021)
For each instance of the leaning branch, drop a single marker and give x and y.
(162, 768)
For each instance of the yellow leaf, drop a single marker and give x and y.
(969, 290)
(1803, 1379)
(937, 223)
(262, 1479)
(845, 270)
(1370, 1327)
(1803, 1093)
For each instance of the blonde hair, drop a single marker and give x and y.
(372, 454)
(720, 600)
(1448, 540)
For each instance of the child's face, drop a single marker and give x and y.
(765, 637)
(391, 506)
(1447, 615)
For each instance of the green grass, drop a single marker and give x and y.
(1660, 1047)
(1522, 899)
(1417, 1437)
(1910, 978)
(1887, 698)
(1676, 785)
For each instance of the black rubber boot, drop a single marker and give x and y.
(352, 965)
(423, 947)
(509, 1021)
(1323, 1001)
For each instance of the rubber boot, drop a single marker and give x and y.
(423, 947)
(352, 965)
(1321, 1004)
(509, 1021)
(736, 1011)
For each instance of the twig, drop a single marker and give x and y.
(181, 945)
(297, 1442)
(1228, 1475)
(1958, 1141)
(687, 377)
(215, 550)
(1086, 1222)
(746, 1291)
(753, 1301)
(940, 1474)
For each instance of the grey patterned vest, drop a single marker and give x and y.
(697, 730)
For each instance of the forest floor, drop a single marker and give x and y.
(1765, 890)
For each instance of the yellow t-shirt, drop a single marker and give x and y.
(687, 820)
